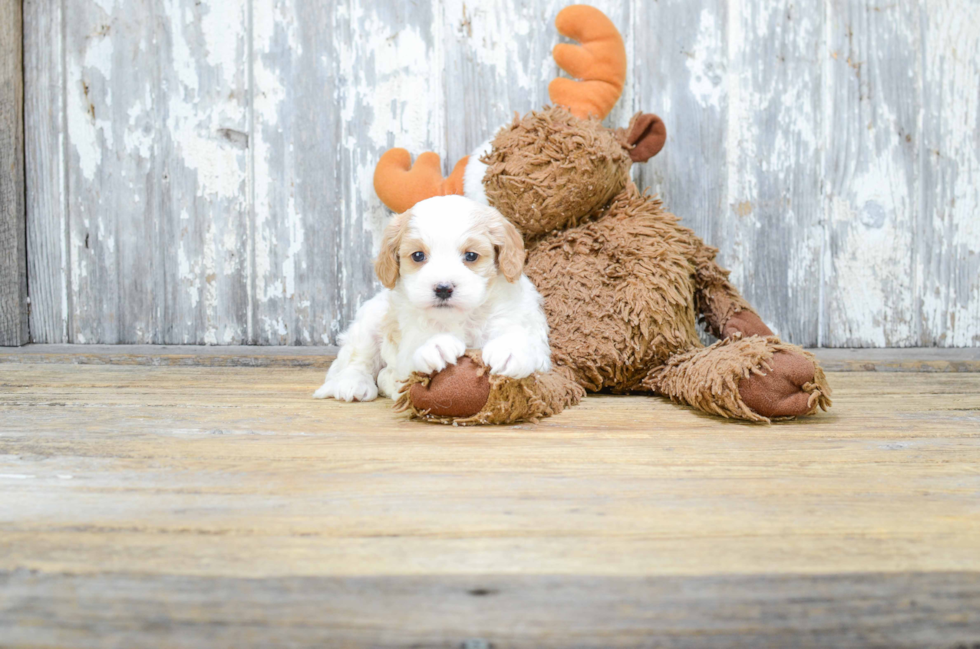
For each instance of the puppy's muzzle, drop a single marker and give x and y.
(443, 291)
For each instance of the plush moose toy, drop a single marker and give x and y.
(624, 283)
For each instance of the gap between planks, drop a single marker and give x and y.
(915, 359)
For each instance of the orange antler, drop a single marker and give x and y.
(600, 62)
(400, 187)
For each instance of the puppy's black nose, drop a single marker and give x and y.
(444, 291)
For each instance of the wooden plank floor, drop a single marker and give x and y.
(222, 506)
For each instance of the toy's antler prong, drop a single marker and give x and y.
(400, 184)
(599, 62)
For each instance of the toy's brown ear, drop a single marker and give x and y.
(647, 134)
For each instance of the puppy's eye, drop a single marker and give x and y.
(471, 256)
(418, 257)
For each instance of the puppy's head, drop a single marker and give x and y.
(445, 253)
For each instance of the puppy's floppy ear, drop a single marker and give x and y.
(386, 265)
(509, 245)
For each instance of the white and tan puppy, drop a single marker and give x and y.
(453, 272)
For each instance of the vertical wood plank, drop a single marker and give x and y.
(335, 85)
(298, 189)
(44, 131)
(948, 237)
(680, 69)
(13, 245)
(871, 173)
(771, 231)
(497, 63)
(157, 132)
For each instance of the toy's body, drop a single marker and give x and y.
(624, 283)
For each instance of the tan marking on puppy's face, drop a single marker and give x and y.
(409, 247)
(479, 244)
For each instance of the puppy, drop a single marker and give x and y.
(453, 275)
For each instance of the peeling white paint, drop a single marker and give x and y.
(224, 48)
(706, 63)
(403, 86)
(296, 234)
(137, 138)
(88, 133)
(220, 168)
(873, 182)
(950, 280)
(108, 6)
(183, 61)
(487, 31)
(895, 231)
(188, 276)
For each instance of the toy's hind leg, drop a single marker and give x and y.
(752, 378)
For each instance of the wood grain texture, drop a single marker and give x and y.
(770, 232)
(221, 170)
(156, 103)
(680, 72)
(860, 611)
(146, 506)
(13, 244)
(201, 356)
(872, 174)
(948, 235)
(47, 189)
(920, 359)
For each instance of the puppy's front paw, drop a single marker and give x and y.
(509, 357)
(436, 353)
(388, 384)
(348, 387)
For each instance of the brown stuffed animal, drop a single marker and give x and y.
(624, 283)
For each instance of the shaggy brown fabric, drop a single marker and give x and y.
(716, 300)
(551, 170)
(709, 378)
(509, 401)
(619, 292)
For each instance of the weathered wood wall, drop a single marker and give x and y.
(199, 171)
(13, 245)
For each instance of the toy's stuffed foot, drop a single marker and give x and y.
(458, 391)
(789, 389)
(754, 378)
(466, 394)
